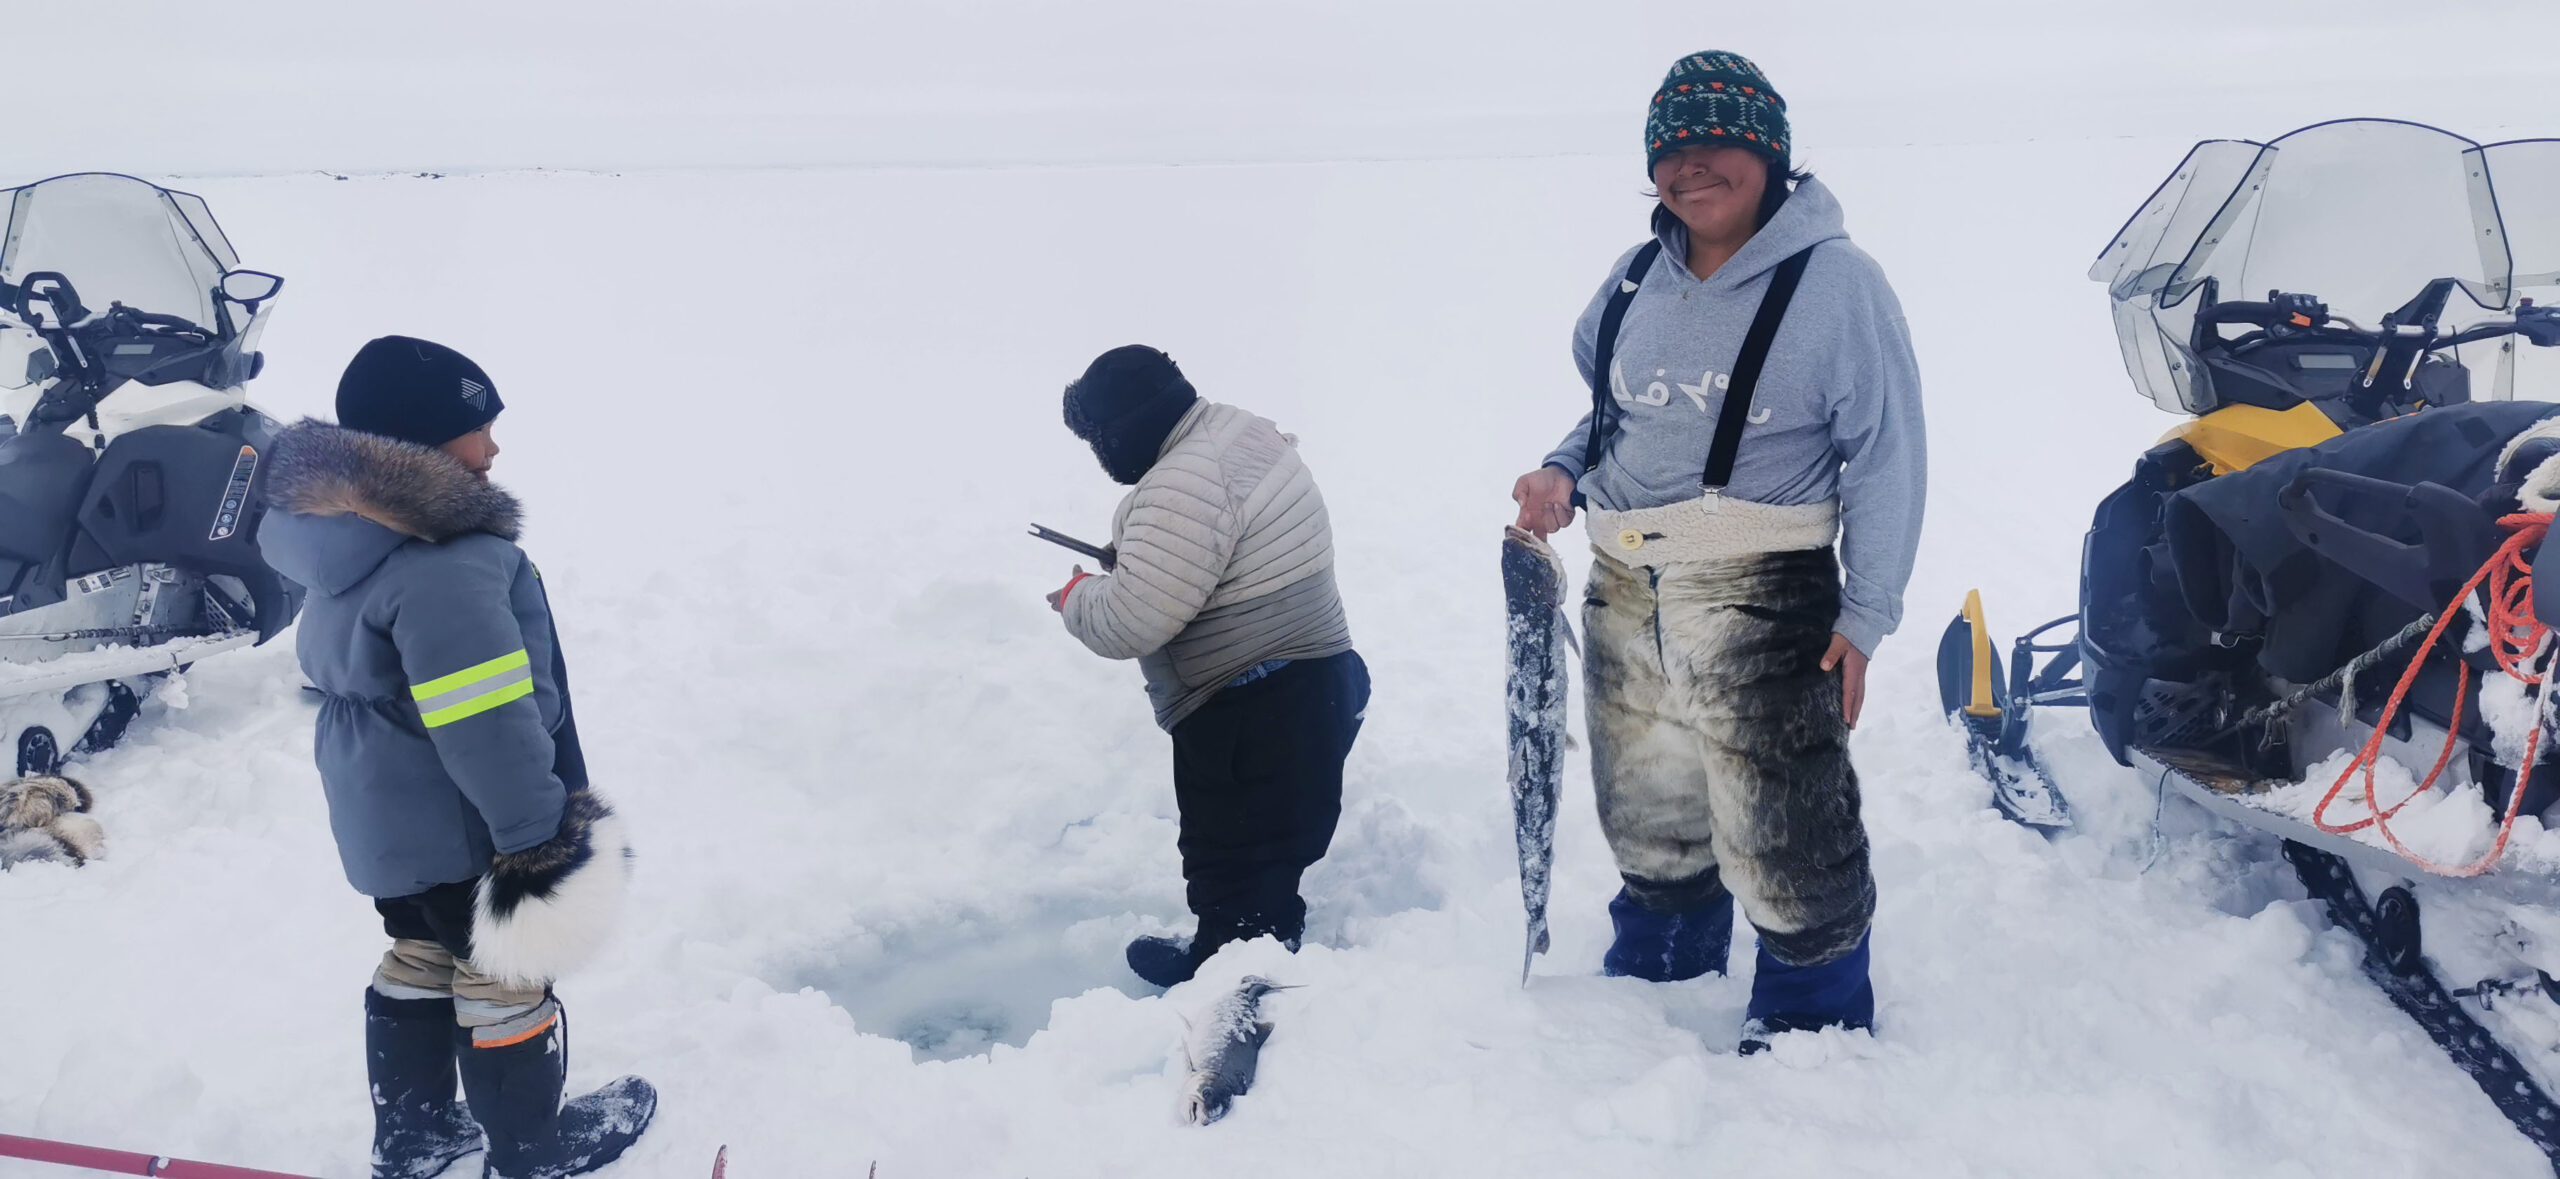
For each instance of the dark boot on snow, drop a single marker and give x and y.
(419, 1129)
(1163, 961)
(1835, 994)
(1668, 947)
(514, 1080)
(1167, 961)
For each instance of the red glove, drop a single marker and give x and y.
(1058, 600)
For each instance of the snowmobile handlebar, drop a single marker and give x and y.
(2279, 309)
(87, 348)
(126, 317)
(51, 287)
(2540, 327)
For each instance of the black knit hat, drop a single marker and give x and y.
(1716, 99)
(416, 391)
(1125, 404)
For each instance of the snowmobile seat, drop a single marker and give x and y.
(2242, 549)
(42, 480)
(2448, 533)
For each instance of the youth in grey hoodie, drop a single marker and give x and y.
(1837, 411)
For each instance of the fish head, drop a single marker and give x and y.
(1201, 1104)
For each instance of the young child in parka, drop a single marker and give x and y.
(456, 787)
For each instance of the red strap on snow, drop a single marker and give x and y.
(123, 1162)
(2515, 638)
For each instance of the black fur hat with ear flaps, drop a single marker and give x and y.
(1125, 404)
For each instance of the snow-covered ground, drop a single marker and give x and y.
(779, 430)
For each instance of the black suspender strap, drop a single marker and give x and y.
(1746, 368)
(1605, 353)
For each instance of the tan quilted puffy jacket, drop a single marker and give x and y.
(1225, 562)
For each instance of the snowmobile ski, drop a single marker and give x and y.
(1533, 597)
(1995, 723)
(2395, 961)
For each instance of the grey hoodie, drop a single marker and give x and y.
(1837, 412)
(444, 732)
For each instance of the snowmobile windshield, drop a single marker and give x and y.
(2360, 214)
(2526, 173)
(119, 240)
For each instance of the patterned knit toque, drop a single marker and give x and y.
(1716, 98)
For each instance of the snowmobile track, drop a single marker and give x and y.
(2393, 959)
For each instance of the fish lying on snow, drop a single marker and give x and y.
(1223, 1049)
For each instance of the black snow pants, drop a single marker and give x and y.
(1257, 772)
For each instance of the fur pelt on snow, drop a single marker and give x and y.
(546, 910)
(316, 469)
(45, 819)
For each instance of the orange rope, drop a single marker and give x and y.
(2515, 639)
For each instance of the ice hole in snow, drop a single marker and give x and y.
(960, 990)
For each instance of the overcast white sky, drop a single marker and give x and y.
(292, 85)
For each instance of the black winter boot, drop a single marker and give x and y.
(514, 1083)
(1166, 961)
(418, 1127)
(1162, 961)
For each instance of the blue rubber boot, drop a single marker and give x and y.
(1836, 994)
(1668, 947)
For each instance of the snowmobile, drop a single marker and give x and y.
(129, 457)
(2317, 605)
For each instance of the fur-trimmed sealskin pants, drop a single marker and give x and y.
(1719, 753)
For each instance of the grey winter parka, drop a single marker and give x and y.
(444, 734)
(1225, 560)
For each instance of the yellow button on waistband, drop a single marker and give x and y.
(1630, 540)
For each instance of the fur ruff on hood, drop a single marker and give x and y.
(317, 469)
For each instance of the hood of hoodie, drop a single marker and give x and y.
(346, 500)
(1810, 216)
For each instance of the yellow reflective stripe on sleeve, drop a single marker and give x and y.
(479, 704)
(471, 675)
(475, 690)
